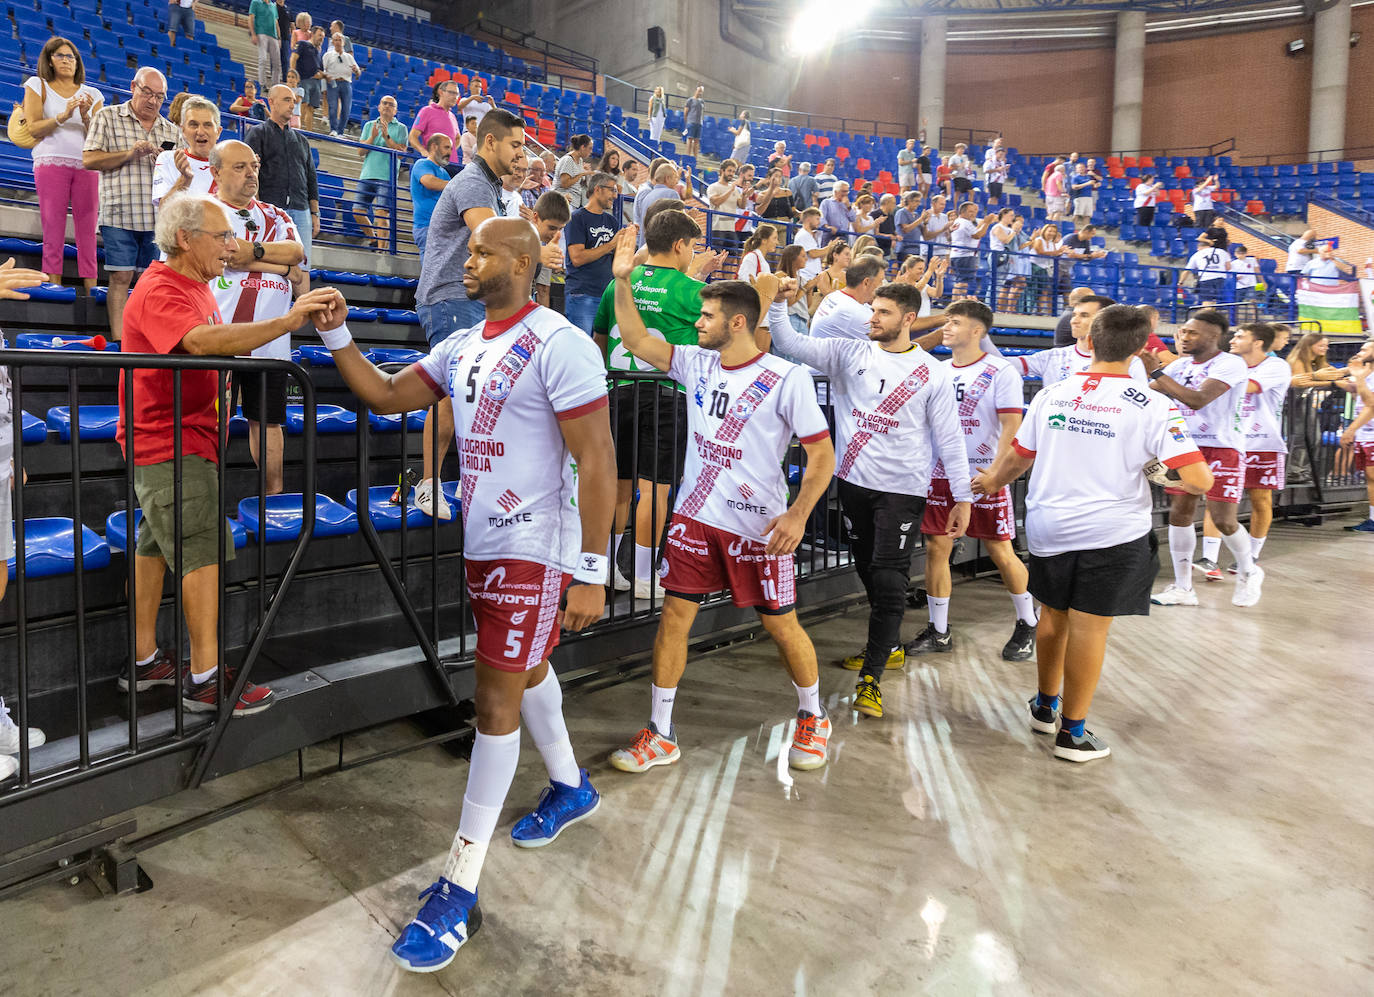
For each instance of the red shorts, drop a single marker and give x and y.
(1266, 470)
(992, 517)
(1228, 475)
(1364, 456)
(515, 604)
(699, 559)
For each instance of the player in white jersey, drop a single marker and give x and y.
(1265, 448)
(538, 493)
(732, 527)
(1091, 439)
(989, 395)
(1209, 386)
(1053, 366)
(257, 284)
(894, 421)
(188, 169)
(845, 314)
(1358, 437)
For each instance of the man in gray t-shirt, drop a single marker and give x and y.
(691, 122)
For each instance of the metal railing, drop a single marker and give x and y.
(573, 68)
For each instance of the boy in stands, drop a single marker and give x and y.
(1091, 439)
(1209, 386)
(988, 393)
(732, 528)
(538, 489)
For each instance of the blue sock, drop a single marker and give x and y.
(1074, 727)
(1042, 700)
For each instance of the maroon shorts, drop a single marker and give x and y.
(515, 604)
(992, 517)
(1265, 470)
(1228, 475)
(700, 559)
(1364, 456)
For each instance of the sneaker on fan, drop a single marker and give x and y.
(809, 742)
(1174, 596)
(649, 748)
(618, 580)
(433, 506)
(9, 735)
(1209, 569)
(646, 588)
(895, 659)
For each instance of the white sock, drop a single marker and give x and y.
(542, 710)
(202, 677)
(644, 562)
(1211, 548)
(809, 698)
(494, 757)
(464, 863)
(939, 612)
(1256, 545)
(661, 707)
(1238, 544)
(148, 660)
(1181, 543)
(1025, 607)
(1371, 512)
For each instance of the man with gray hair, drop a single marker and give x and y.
(803, 187)
(173, 312)
(665, 180)
(837, 214)
(122, 143)
(188, 169)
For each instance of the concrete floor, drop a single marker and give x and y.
(1227, 847)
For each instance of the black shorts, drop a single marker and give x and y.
(1111, 581)
(248, 392)
(651, 424)
(994, 188)
(963, 184)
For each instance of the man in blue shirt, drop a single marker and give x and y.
(590, 237)
(804, 188)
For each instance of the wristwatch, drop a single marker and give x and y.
(1157, 372)
(258, 251)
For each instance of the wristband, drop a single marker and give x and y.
(590, 570)
(336, 339)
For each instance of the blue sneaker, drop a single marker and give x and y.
(1366, 527)
(449, 918)
(559, 807)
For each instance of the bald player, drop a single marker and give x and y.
(538, 492)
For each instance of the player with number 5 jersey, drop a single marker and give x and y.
(733, 527)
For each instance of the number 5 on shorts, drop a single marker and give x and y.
(513, 643)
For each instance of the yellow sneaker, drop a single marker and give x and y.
(894, 660)
(868, 697)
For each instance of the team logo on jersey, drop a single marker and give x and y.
(508, 500)
(497, 576)
(498, 385)
(736, 548)
(915, 379)
(699, 393)
(1059, 421)
(1176, 431)
(677, 530)
(518, 618)
(744, 408)
(746, 492)
(223, 283)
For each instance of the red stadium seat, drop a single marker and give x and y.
(862, 165)
(1254, 207)
(808, 140)
(1115, 172)
(823, 141)
(1133, 182)
(1183, 172)
(1146, 162)
(1130, 162)
(1113, 162)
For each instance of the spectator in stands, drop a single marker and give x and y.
(469, 199)
(906, 165)
(293, 81)
(537, 180)
(808, 238)
(1309, 363)
(573, 169)
(1157, 346)
(307, 61)
(59, 107)
(825, 181)
(340, 70)
(725, 198)
(740, 152)
(885, 229)
(476, 104)
(1327, 266)
(262, 32)
(285, 35)
(1056, 191)
(995, 171)
(610, 163)
(760, 245)
(925, 173)
(304, 25)
(590, 236)
(511, 201)
(779, 159)
(1081, 187)
(920, 275)
(1209, 265)
(964, 235)
(630, 179)
(1078, 248)
(935, 229)
(1146, 197)
(550, 216)
(188, 168)
(336, 27)
(837, 214)
(1010, 266)
(838, 256)
(658, 114)
(1300, 251)
(122, 143)
(906, 225)
(1046, 246)
(803, 188)
(691, 122)
(376, 182)
(181, 16)
(467, 142)
(778, 206)
(961, 174)
(286, 175)
(665, 186)
(1203, 211)
(247, 104)
(173, 311)
(1063, 329)
(174, 108)
(437, 118)
(790, 262)
(428, 178)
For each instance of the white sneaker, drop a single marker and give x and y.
(429, 503)
(1174, 596)
(645, 586)
(618, 580)
(9, 734)
(1248, 587)
(8, 767)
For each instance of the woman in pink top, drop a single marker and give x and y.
(1056, 194)
(437, 118)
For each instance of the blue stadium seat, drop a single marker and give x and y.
(328, 419)
(394, 354)
(315, 355)
(340, 277)
(415, 421)
(117, 530)
(400, 316)
(35, 430)
(362, 314)
(50, 548)
(285, 516)
(98, 422)
(384, 514)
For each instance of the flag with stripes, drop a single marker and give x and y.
(1334, 303)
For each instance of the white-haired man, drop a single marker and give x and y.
(188, 169)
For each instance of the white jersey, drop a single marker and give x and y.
(1091, 436)
(1246, 271)
(166, 174)
(740, 421)
(814, 264)
(512, 383)
(840, 315)
(1217, 424)
(962, 239)
(895, 415)
(983, 390)
(937, 234)
(1210, 263)
(1053, 366)
(1261, 411)
(249, 296)
(1365, 434)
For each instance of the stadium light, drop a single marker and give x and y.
(816, 27)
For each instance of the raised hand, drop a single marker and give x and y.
(623, 265)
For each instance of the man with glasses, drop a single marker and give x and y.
(437, 118)
(590, 237)
(375, 183)
(123, 143)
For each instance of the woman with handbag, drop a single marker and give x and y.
(58, 107)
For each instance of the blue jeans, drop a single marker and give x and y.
(580, 310)
(301, 218)
(128, 249)
(421, 236)
(340, 104)
(443, 318)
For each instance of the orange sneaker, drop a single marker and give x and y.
(809, 743)
(649, 748)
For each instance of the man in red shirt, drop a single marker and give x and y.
(172, 311)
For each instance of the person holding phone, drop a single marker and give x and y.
(188, 168)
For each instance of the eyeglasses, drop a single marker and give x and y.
(225, 236)
(608, 186)
(159, 95)
(65, 56)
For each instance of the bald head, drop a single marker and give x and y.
(150, 77)
(666, 175)
(235, 168)
(148, 93)
(499, 271)
(281, 103)
(1078, 294)
(514, 235)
